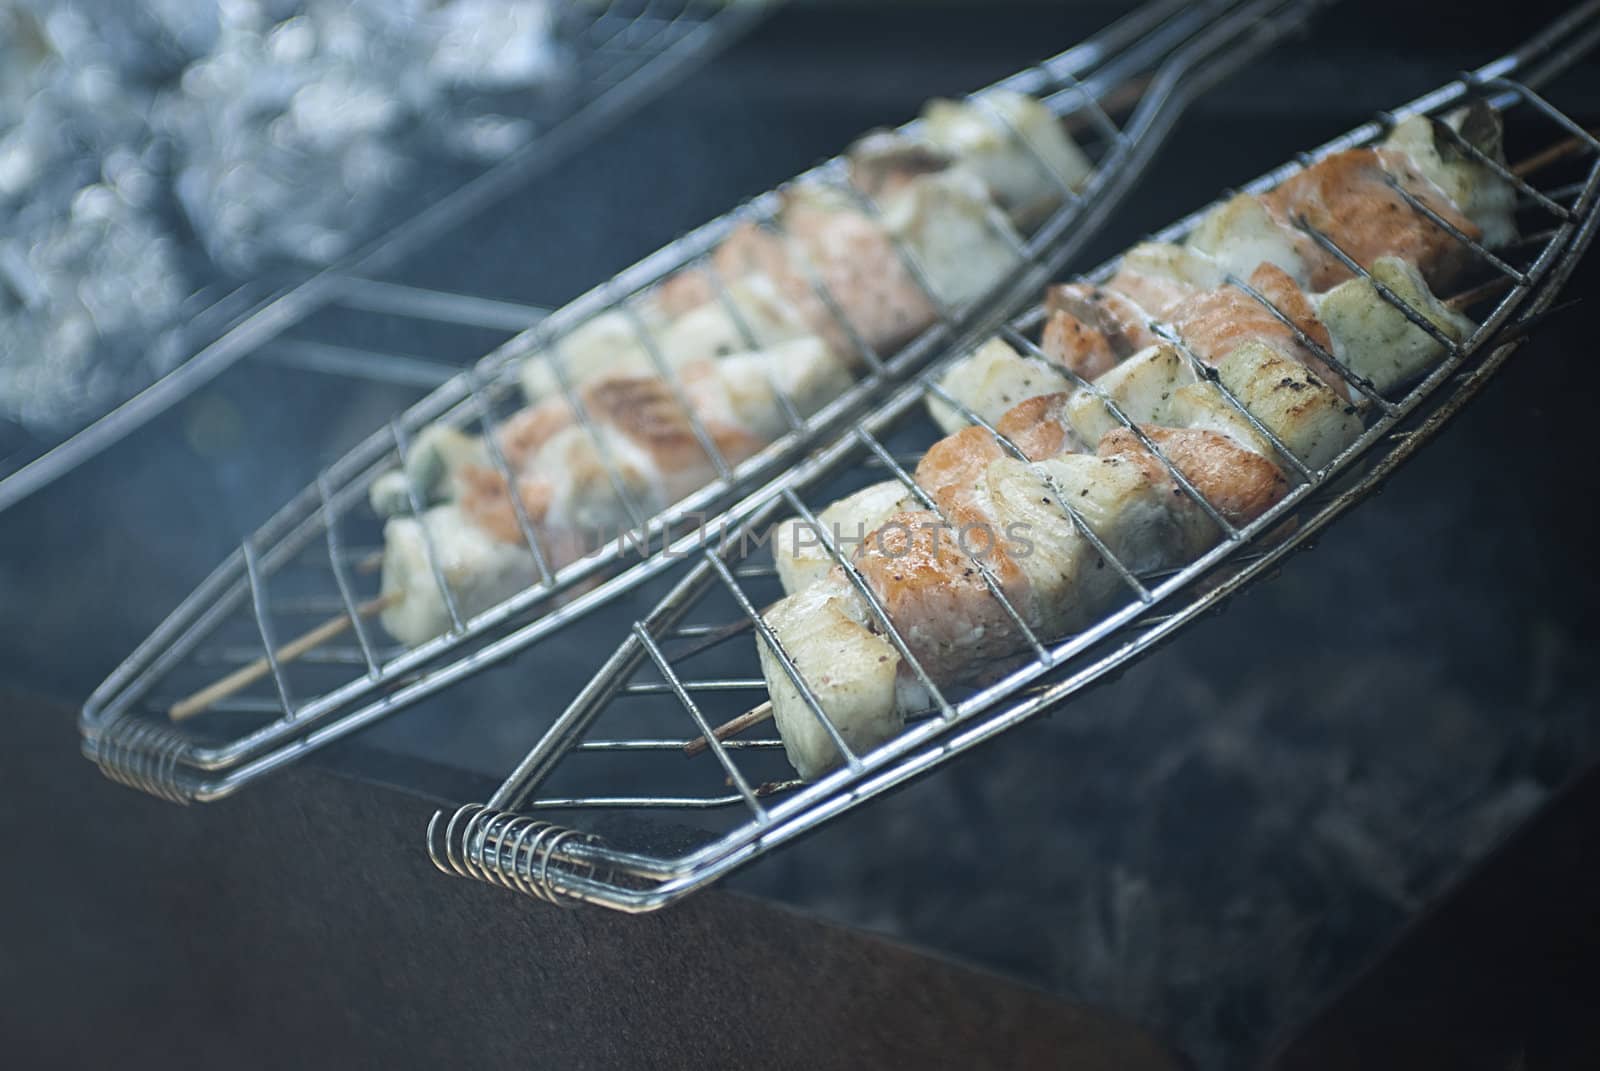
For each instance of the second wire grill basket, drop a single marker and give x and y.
(677, 673)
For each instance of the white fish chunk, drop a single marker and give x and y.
(989, 381)
(1311, 419)
(1376, 340)
(850, 669)
(1239, 235)
(1159, 276)
(606, 345)
(804, 370)
(1482, 196)
(1142, 386)
(616, 344)
(1014, 144)
(480, 571)
(961, 242)
(798, 551)
(436, 453)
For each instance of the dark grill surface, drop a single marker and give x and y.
(1209, 846)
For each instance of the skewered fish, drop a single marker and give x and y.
(990, 382)
(646, 403)
(477, 567)
(1254, 306)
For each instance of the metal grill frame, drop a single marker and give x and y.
(490, 841)
(1187, 49)
(626, 51)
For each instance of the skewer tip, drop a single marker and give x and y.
(204, 699)
(732, 727)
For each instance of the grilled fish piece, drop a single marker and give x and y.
(801, 555)
(436, 454)
(851, 670)
(1355, 198)
(1313, 421)
(748, 390)
(1010, 142)
(1015, 145)
(1041, 426)
(883, 162)
(752, 310)
(1077, 346)
(1376, 340)
(962, 244)
(1119, 320)
(1214, 323)
(1159, 277)
(1434, 147)
(1240, 483)
(993, 379)
(1142, 387)
(921, 567)
(655, 453)
(1239, 235)
(479, 570)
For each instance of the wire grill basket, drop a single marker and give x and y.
(639, 739)
(308, 560)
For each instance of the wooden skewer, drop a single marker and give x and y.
(247, 675)
(1549, 155)
(1468, 298)
(731, 727)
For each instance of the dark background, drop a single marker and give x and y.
(1207, 847)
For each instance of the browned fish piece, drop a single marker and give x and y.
(637, 414)
(1158, 295)
(522, 433)
(857, 262)
(1349, 197)
(1039, 426)
(751, 250)
(481, 493)
(920, 568)
(1075, 345)
(954, 464)
(1240, 484)
(1214, 323)
(645, 409)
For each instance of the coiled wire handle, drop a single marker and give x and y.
(144, 755)
(507, 849)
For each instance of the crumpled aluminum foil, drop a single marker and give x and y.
(144, 145)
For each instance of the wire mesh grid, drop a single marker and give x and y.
(644, 737)
(319, 553)
(621, 53)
